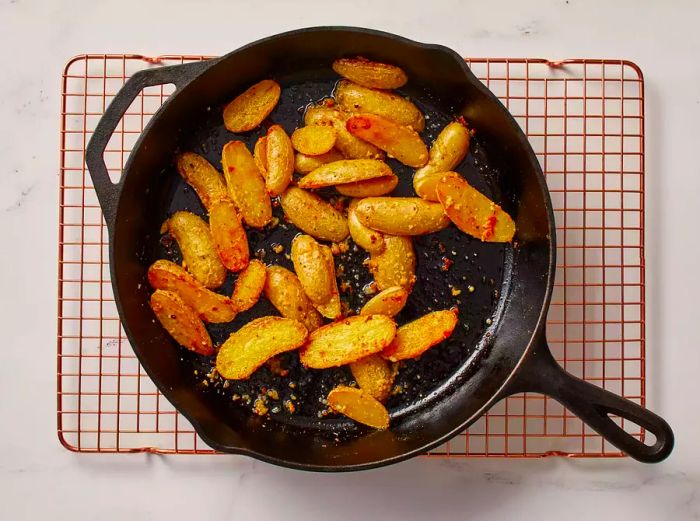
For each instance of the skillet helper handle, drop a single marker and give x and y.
(541, 373)
(107, 191)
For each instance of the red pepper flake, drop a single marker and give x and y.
(446, 264)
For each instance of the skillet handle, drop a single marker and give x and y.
(540, 373)
(107, 191)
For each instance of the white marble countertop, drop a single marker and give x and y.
(40, 478)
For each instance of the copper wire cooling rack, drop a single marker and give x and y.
(585, 120)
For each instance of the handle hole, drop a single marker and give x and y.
(633, 429)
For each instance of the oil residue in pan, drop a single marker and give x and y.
(452, 270)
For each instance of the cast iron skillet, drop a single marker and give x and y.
(499, 346)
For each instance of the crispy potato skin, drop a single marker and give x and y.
(255, 343)
(246, 185)
(345, 171)
(403, 143)
(249, 285)
(401, 215)
(369, 188)
(350, 146)
(388, 302)
(250, 108)
(366, 238)
(284, 291)
(279, 160)
(415, 338)
(229, 237)
(347, 340)
(181, 322)
(210, 307)
(356, 98)
(472, 212)
(312, 269)
(304, 164)
(374, 376)
(375, 75)
(395, 265)
(313, 140)
(203, 177)
(360, 406)
(197, 246)
(313, 215)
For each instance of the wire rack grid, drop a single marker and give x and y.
(585, 121)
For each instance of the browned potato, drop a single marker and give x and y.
(255, 343)
(197, 246)
(181, 322)
(358, 405)
(416, 337)
(345, 171)
(313, 140)
(369, 188)
(366, 238)
(246, 185)
(229, 237)
(472, 212)
(250, 108)
(249, 285)
(374, 375)
(315, 268)
(388, 302)
(260, 155)
(348, 145)
(279, 158)
(203, 177)
(395, 265)
(347, 340)
(284, 291)
(375, 75)
(304, 164)
(356, 98)
(210, 306)
(403, 143)
(313, 215)
(449, 149)
(332, 308)
(401, 215)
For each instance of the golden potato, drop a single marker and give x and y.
(366, 238)
(347, 340)
(374, 375)
(388, 302)
(255, 343)
(313, 215)
(313, 140)
(284, 291)
(246, 185)
(416, 337)
(181, 322)
(472, 212)
(250, 108)
(203, 177)
(332, 308)
(345, 171)
(375, 75)
(304, 164)
(360, 406)
(260, 155)
(369, 188)
(401, 215)
(197, 246)
(311, 268)
(403, 143)
(356, 98)
(249, 285)
(229, 237)
(210, 306)
(279, 159)
(395, 265)
(350, 146)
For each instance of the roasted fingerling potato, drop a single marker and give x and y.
(202, 176)
(350, 146)
(249, 109)
(313, 215)
(313, 140)
(356, 98)
(345, 171)
(181, 322)
(388, 302)
(304, 164)
(358, 405)
(230, 239)
(284, 291)
(249, 286)
(366, 238)
(375, 75)
(279, 160)
(370, 188)
(415, 338)
(374, 375)
(315, 268)
(401, 215)
(395, 265)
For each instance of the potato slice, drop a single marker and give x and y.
(313, 140)
(403, 143)
(304, 164)
(416, 337)
(401, 215)
(250, 108)
(181, 322)
(472, 212)
(360, 406)
(449, 150)
(348, 145)
(246, 185)
(356, 98)
(284, 291)
(388, 302)
(249, 285)
(313, 215)
(199, 255)
(374, 376)
(375, 75)
(345, 171)
(260, 155)
(229, 237)
(369, 188)
(332, 308)
(366, 238)
(255, 343)
(203, 177)
(210, 306)
(311, 268)
(279, 159)
(347, 340)
(395, 265)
